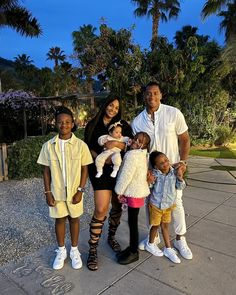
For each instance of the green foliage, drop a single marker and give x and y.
(23, 155)
(224, 135)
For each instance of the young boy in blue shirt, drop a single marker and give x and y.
(162, 202)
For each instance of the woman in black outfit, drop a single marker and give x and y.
(104, 186)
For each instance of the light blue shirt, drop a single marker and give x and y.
(164, 190)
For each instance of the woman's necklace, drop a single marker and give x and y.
(106, 121)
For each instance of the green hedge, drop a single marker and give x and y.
(23, 155)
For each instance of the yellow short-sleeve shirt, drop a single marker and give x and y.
(77, 154)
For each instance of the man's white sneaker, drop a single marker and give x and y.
(76, 261)
(153, 249)
(143, 243)
(183, 248)
(59, 259)
(171, 254)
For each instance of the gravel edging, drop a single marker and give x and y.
(25, 225)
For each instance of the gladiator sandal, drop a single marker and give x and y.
(114, 221)
(95, 233)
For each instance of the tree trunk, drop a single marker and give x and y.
(155, 26)
(25, 122)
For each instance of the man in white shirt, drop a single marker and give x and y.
(168, 131)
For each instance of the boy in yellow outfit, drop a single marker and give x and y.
(65, 158)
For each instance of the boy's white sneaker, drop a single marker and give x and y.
(183, 248)
(114, 173)
(59, 259)
(76, 261)
(171, 254)
(143, 243)
(153, 249)
(99, 174)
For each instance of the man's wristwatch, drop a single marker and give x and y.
(184, 162)
(81, 189)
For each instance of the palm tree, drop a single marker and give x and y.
(13, 15)
(56, 54)
(83, 37)
(214, 7)
(23, 60)
(229, 22)
(229, 25)
(24, 66)
(83, 41)
(184, 37)
(158, 10)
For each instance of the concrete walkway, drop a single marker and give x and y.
(210, 207)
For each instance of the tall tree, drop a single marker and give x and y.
(83, 37)
(23, 60)
(13, 15)
(57, 55)
(225, 9)
(214, 7)
(228, 24)
(82, 41)
(157, 10)
(181, 37)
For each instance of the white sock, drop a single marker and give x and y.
(62, 248)
(74, 248)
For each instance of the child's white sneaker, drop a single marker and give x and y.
(114, 173)
(59, 259)
(153, 249)
(99, 174)
(143, 243)
(76, 261)
(171, 254)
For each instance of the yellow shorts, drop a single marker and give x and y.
(63, 209)
(157, 216)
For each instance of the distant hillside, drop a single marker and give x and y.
(6, 64)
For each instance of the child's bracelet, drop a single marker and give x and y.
(47, 192)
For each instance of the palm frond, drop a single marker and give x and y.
(212, 7)
(22, 21)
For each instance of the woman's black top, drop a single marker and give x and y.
(105, 182)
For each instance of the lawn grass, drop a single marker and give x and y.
(225, 152)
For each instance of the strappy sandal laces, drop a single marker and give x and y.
(112, 242)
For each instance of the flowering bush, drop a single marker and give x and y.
(16, 100)
(12, 104)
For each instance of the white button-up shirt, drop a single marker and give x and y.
(168, 123)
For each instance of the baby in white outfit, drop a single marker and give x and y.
(115, 133)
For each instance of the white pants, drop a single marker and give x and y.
(101, 159)
(178, 215)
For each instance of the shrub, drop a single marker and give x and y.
(23, 155)
(224, 135)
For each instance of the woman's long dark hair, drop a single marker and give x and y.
(99, 116)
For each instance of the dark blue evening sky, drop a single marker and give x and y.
(59, 18)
